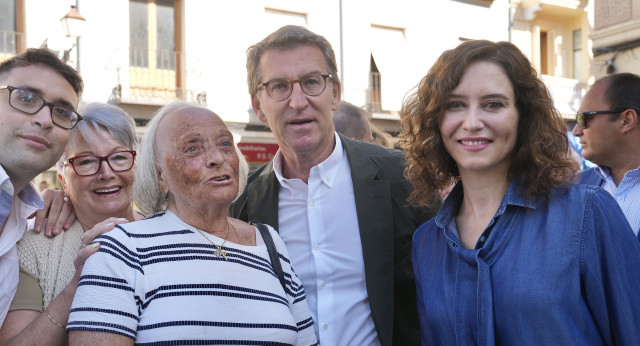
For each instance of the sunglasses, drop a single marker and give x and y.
(582, 117)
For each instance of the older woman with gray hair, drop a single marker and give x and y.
(97, 170)
(190, 274)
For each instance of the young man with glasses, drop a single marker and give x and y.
(38, 97)
(338, 204)
(608, 128)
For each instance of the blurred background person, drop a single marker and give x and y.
(516, 254)
(353, 122)
(188, 273)
(97, 170)
(43, 185)
(381, 138)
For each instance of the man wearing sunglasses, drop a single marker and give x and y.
(608, 128)
(38, 97)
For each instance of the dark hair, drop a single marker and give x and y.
(540, 156)
(44, 56)
(350, 120)
(623, 92)
(285, 38)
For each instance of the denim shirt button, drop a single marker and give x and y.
(482, 239)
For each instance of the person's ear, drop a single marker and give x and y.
(257, 108)
(629, 120)
(336, 89)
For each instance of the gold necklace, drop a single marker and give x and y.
(218, 252)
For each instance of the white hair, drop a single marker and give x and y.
(146, 188)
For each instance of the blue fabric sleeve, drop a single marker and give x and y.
(610, 265)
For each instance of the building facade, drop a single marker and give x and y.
(616, 37)
(141, 54)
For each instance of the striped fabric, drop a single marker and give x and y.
(627, 194)
(158, 282)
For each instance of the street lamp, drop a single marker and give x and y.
(73, 26)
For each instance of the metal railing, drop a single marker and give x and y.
(566, 93)
(153, 74)
(374, 93)
(155, 77)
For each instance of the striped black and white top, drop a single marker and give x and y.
(159, 282)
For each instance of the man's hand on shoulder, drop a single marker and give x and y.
(57, 212)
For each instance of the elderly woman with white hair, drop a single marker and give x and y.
(189, 274)
(97, 170)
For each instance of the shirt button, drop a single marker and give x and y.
(482, 239)
(329, 179)
(313, 203)
(322, 283)
(325, 327)
(317, 246)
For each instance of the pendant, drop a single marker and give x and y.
(219, 252)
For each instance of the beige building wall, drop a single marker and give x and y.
(616, 37)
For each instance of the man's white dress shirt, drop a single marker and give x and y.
(319, 226)
(627, 194)
(15, 212)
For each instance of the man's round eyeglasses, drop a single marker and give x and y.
(312, 85)
(31, 103)
(85, 165)
(582, 117)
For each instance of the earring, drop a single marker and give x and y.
(164, 197)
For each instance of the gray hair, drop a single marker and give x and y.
(285, 38)
(99, 117)
(146, 188)
(351, 121)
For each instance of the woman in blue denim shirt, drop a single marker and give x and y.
(517, 255)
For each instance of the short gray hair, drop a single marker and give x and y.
(100, 117)
(351, 121)
(286, 38)
(146, 188)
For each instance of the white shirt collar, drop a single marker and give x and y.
(327, 169)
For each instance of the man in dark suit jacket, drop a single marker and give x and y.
(372, 217)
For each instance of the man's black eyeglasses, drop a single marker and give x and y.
(31, 103)
(312, 85)
(582, 117)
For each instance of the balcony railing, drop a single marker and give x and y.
(374, 93)
(155, 77)
(567, 94)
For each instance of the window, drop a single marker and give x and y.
(388, 81)
(374, 103)
(544, 67)
(154, 54)
(152, 33)
(11, 27)
(7, 26)
(577, 54)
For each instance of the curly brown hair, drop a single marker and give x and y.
(540, 156)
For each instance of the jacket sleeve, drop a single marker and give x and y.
(610, 262)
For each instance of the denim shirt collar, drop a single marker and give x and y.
(451, 205)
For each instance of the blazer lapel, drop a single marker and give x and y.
(262, 198)
(375, 220)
